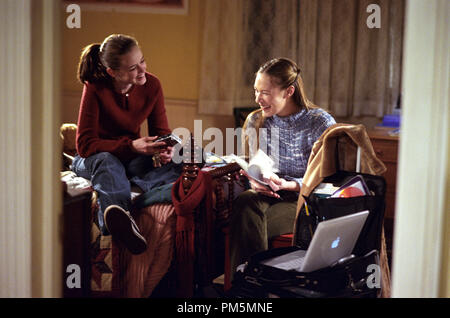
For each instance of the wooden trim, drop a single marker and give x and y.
(47, 271)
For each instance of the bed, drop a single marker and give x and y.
(112, 271)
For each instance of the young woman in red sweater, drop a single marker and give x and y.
(118, 95)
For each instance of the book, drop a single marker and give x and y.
(355, 187)
(324, 190)
(260, 167)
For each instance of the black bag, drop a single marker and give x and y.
(346, 278)
(321, 209)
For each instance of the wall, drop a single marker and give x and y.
(171, 45)
(15, 145)
(445, 270)
(420, 262)
(30, 194)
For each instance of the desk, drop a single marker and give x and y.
(386, 149)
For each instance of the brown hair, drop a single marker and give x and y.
(283, 72)
(96, 57)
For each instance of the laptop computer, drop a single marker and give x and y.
(332, 240)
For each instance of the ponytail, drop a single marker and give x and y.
(96, 57)
(285, 72)
(90, 67)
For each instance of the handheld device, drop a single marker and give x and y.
(169, 139)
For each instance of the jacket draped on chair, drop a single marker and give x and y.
(336, 150)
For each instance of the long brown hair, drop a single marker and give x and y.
(96, 57)
(283, 72)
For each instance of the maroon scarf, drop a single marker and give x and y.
(185, 205)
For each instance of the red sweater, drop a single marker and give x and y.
(109, 121)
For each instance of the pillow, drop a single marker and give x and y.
(68, 134)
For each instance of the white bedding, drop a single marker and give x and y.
(78, 185)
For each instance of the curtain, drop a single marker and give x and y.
(222, 56)
(347, 67)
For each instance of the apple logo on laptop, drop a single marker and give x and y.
(335, 243)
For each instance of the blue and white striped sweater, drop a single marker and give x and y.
(289, 140)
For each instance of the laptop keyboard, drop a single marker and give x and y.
(293, 264)
(293, 260)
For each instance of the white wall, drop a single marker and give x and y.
(30, 191)
(15, 153)
(420, 210)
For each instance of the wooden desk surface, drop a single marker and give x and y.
(382, 133)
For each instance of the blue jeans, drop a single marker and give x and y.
(112, 179)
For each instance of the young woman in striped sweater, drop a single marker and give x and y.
(285, 127)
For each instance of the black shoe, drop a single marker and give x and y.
(122, 227)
